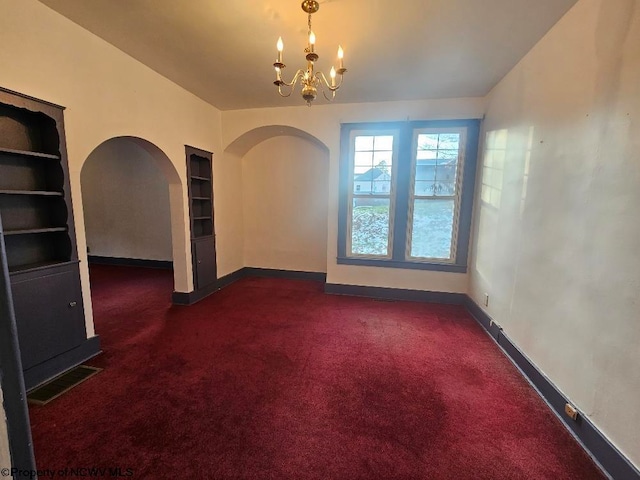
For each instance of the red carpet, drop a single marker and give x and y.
(272, 379)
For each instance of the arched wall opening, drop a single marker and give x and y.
(285, 180)
(128, 189)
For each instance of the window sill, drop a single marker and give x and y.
(435, 267)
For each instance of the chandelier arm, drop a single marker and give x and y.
(284, 95)
(322, 81)
(325, 83)
(333, 95)
(295, 78)
(339, 84)
(291, 85)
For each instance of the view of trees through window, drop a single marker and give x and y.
(372, 177)
(433, 195)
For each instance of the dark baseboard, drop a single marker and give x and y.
(53, 367)
(395, 294)
(130, 262)
(606, 455)
(290, 274)
(184, 298)
(181, 298)
(230, 278)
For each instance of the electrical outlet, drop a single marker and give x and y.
(486, 299)
(571, 411)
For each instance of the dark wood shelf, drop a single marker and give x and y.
(203, 248)
(35, 230)
(38, 235)
(38, 266)
(27, 153)
(31, 192)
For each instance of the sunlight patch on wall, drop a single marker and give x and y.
(493, 167)
(525, 176)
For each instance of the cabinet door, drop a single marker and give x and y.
(204, 261)
(49, 315)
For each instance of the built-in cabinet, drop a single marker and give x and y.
(203, 246)
(37, 229)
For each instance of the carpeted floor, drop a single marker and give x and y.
(272, 379)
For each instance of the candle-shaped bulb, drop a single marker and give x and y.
(312, 41)
(341, 56)
(333, 76)
(280, 47)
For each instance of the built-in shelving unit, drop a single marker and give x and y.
(37, 228)
(199, 170)
(201, 193)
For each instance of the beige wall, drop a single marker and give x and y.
(228, 214)
(285, 182)
(557, 228)
(107, 94)
(323, 123)
(126, 203)
(5, 457)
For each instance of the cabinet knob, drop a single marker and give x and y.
(199, 262)
(72, 304)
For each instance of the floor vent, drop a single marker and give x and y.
(60, 385)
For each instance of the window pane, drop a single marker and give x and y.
(427, 154)
(424, 188)
(384, 142)
(364, 160)
(448, 141)
(432, 229)
(364, 143)
(370, 226)
(381, 186)
(436, 164)
(372, 164)
(428, 141)
(449, 155)
(383, 158)
(446, 179)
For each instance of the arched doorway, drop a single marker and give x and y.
(128, 186)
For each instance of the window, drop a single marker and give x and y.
(406, 194)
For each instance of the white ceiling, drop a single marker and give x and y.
(223, 51)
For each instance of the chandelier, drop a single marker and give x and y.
(310, 81)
